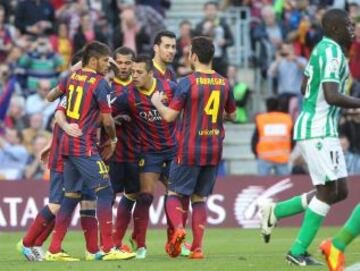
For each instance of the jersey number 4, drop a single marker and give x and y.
(75, 96)
(212, 105)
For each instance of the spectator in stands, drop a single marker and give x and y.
(37, 102)
(86, 33)
(159, 5)
(315, 33)
(354, 11)
(350, 126)
(35, 129)
(288, 70)
(217, 28)
(41, 63)
(352, 159)
(35, 169)
(13, 155)
(5, 36)
(266, 38)
(241, 94)
(354, 55)
(131, 33)
(35, 17)
(62, 44)
(272, 140)
(146, 16)
(182, 62)
(16, 113)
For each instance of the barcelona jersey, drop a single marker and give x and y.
(166, 75)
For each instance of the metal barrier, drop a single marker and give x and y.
(238, 18)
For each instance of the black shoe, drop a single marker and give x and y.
(311, 259)
(301, 260)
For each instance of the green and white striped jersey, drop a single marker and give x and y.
(318, 119)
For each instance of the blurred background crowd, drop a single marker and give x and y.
(39, 37)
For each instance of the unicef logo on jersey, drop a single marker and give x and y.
(150, 116)
(246, 206)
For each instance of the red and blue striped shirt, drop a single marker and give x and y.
(128, 145)
(88, 95)
(155, 134)
(202, 97)
(166, 75)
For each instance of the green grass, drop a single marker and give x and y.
(225, 249)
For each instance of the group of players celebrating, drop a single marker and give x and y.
(124, 133)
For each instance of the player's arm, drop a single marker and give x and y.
(54, 94)
(45, 152)
(334, 97)
(167, 113)
(72, 129)
(109, 127)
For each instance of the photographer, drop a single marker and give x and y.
(41, 63)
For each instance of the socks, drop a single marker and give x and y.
(89, 225)
(62, 223)
(41, 222)
(141, 217)
(104, 213)
(185, 205)
(45, 234)
(349, 231)
(198, 224)
(169, 225)
(122, 219)
(175, 212)
(314, 216)
(291, 207)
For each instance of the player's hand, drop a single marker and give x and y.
(44, 155)
(72, 129)
(157, 97)
(125, 117)
(108, 148)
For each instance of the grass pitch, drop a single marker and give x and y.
(225, 250)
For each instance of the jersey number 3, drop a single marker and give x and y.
(212, 105)
(75, 96)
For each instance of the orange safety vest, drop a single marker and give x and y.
(274, 129)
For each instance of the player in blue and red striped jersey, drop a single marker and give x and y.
(88, 105)
(123, 166)
(30, 245)
(164, 53)
(202, 97)
(157, 140)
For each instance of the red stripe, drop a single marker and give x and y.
(168, 127)
(85, 110)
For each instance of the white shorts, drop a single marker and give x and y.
(325, 159)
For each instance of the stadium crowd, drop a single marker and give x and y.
(39, 37)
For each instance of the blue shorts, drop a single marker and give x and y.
(56, 193)
(124, 177)
(189, 180)
(90, 172)
(157, 162)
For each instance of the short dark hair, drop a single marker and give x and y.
(204, 48)
(164, 33)
(94, 49)
(142, 58)
(211, 3)
(124, 51)
(77, 56)
(272, 104)
(333, 17)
